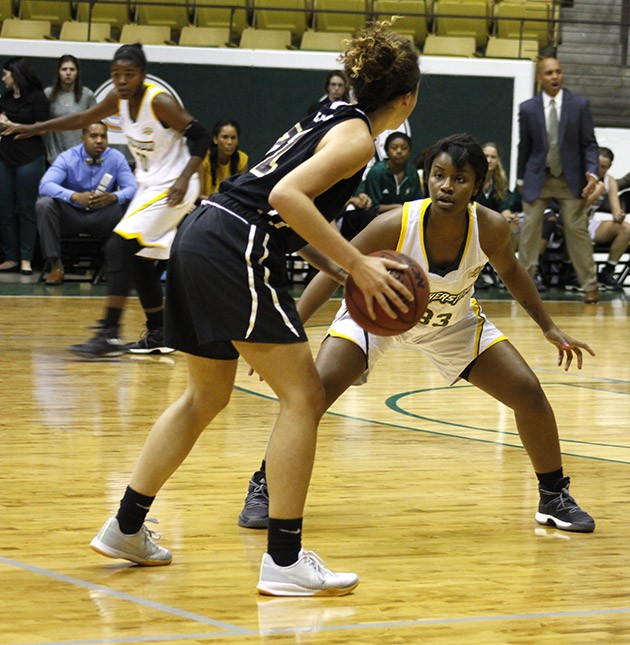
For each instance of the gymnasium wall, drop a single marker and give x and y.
(267, 91)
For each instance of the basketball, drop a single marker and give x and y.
(414, 278)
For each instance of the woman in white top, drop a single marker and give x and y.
(615, 231)
(156, 127)
(452, 239)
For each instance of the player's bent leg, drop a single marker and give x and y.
(169, 442)
(501, 372)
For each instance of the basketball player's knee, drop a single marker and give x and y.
(314, 400)
(204, 406)
(530, 395)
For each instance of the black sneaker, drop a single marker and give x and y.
(608, 281)
(105, 344)
(152, 342)
(559, 509)
(255, 513)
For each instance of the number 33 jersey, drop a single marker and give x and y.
(160, 152)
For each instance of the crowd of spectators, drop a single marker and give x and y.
(545, 172)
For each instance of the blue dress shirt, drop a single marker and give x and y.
(73, 171)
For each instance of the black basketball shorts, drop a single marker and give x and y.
(227, 281)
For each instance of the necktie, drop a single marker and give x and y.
(554, 162)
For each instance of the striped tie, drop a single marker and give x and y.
(554, 163)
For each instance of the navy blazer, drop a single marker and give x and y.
(578, 147)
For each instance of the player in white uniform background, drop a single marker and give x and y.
(452, 239)
(156, 127)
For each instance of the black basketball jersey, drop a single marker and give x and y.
(251, 190)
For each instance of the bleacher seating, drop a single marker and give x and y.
(324, 41)
(265, 38)
(414, 26)
(175, 15)
(281, 14)
(192, 36)
(79, 31)
(329, 16)
(30, 29)
(512, 48)
(457, 18)
(529, 20)
(215, 13)
(56, 12)
(115, 13)
(146, 34)
(7, 9)
(449, 46)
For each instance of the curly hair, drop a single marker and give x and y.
(499, 177)
(380, 65)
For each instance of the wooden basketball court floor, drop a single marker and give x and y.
(423, 490)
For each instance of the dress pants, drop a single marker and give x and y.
(575, 222)
(56, 218)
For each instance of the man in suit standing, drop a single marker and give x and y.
(558, 159)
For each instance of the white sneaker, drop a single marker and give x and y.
(306, 577)
(138, 547)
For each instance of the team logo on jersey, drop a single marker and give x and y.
(446, 298)
(113, 122)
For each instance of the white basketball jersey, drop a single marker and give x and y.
(160, 153)
(451, 295)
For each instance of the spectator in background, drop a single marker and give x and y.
(388, 184)
(335, 88)
(616, 231)
(394, 180)
(557, 158)
(22, 163)
(224, 158)
(84, 191)
(67, 95)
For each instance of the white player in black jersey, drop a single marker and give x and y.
(228, 293)
(156, 127)
(452, 239)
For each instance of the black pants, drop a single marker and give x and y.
(56, 218)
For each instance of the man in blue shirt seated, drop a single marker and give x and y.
(84, 191)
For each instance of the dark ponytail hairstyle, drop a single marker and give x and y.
(133, 53)
(214, 149)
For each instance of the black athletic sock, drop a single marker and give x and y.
(112, 318)
(155, 319)
(259, 475)
(551, 481)
(133, 510)
(284, 541)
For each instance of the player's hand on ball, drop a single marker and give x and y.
(371, 275)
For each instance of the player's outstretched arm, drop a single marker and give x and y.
(495, 242)
(107, 107)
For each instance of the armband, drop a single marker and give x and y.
(199, 138)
